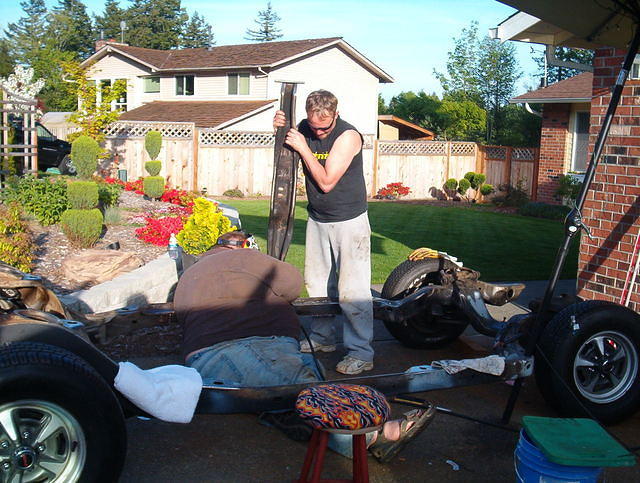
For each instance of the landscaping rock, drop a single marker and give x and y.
(97, 266)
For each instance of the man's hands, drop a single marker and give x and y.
(279, 120)
(294, 139)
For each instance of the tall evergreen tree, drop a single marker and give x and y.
(27, 35)
(155, 24)
(70, 28)
(266, 30)
(197, 33)
(107, 25)
(6, 60)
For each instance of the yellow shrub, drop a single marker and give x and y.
(203, 227)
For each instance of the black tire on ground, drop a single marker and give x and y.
(426, 331)
(59, 419)
(66, 166)
(591, 368)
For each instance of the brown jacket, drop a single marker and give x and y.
(232, 294)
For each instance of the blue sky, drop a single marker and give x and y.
(406, 38)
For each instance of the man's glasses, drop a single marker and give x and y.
(323, 129)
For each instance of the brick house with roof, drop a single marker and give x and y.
(564, 139)
(612, 207)
(234, 87)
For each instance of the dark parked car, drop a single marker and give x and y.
(52, 152)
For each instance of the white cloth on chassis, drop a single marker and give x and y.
(169, 393)
(493, 364)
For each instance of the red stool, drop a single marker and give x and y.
(340, 408)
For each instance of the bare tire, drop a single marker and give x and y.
(426, 331)
(66, 166)
(59, 419)
(588, 361)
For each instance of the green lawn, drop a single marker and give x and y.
(502, 247)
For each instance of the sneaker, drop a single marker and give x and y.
(317, 346)
(292, 425)
(352, 366)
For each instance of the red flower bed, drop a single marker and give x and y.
(158, 230)
(178, 197)
(393, 191)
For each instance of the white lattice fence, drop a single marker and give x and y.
(463, 149)
(212, 137)
(523, 154)
(495, 152)
(434, 148)
(136, 129)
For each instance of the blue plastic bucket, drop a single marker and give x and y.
(532, 466)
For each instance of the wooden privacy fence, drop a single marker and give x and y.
(197, 158)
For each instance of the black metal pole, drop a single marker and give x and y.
(573, 222)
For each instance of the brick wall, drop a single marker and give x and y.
(553, 149)
(613, 205)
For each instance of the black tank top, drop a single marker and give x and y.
(348, 199)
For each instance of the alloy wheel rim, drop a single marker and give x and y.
(605, 367)
(40, 442)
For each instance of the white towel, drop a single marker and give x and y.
(169, 393)
(490, 365)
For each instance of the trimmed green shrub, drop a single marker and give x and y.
(82, 195)
(463, 186)
(16, 241)
(486, 189)
(108, 193)
(153, 186)
(152, 144)
(451, 184)
(84, 154)
(204, 226)
(544, 210)
(153, 167)
(82, 227)
(46, 199)
(234, 193)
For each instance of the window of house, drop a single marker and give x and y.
(238, 84)
(635, 68)
(121, 102)
(151, 85)
(184, 85)
(580, 141)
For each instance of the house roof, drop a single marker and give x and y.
(407, 129)
(262, 54)
(203, 113)
(572, 90)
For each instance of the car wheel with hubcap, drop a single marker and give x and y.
(59, 419)
(588, 361)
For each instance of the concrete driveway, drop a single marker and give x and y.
(236, 448)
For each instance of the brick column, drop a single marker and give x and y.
(554, 138)
(613, 205)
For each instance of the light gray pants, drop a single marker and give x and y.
(338, 264)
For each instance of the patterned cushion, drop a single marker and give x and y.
(342, 406)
